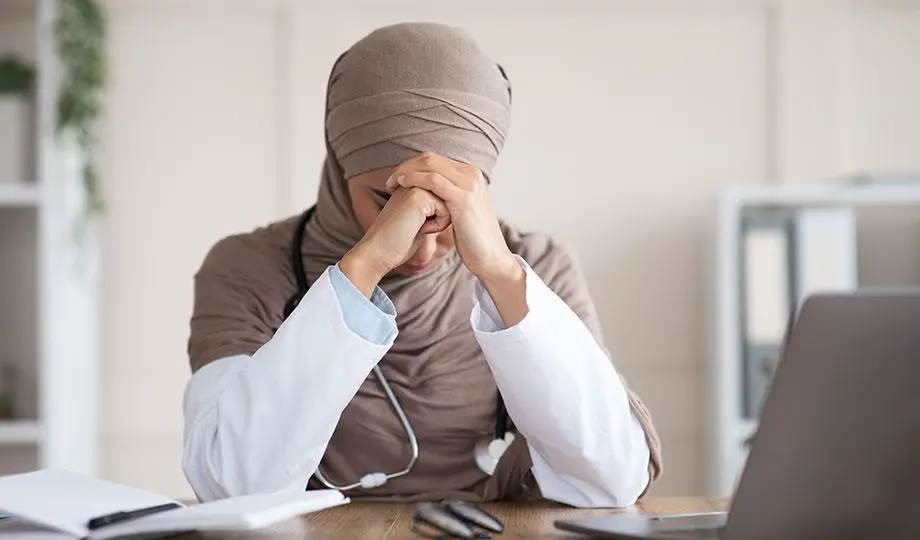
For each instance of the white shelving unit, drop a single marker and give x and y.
(17, 195)
(728, 428)
(21, 432)
(49, 280)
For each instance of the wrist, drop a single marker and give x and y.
(362, 269)
(506, 272)
(506, 284)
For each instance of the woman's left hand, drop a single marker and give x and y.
(462, 187)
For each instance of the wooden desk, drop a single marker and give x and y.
(394, 521)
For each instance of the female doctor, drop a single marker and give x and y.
(397, 341)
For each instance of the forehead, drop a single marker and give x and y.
(376, 178)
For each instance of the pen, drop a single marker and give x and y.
(118, 517)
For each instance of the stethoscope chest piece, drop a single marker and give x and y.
(489, 451)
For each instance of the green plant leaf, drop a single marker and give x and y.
(80, 35)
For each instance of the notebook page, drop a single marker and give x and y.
(14, 529)
(66, 500)
(247, 512)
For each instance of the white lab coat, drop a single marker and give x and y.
(261, 423)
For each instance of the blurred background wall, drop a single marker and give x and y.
(629, 117)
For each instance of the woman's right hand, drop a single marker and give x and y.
(394, 236)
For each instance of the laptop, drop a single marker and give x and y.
(837, 451)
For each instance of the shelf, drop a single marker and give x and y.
(747, 428)
(20, 432)
(840, 194)
(16, 194)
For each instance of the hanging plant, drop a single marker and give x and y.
(80, 31)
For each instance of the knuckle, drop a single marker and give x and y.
(419, 196)
(466, 185)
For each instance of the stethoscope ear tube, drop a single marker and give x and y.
(458, 519)
(438, 517)
(475, 515)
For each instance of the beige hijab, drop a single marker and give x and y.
(400, 91)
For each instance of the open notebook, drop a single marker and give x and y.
(62, 503)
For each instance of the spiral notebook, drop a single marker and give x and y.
(52, 503)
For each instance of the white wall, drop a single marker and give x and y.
(628, 119)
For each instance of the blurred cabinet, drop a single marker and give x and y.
(48, 277)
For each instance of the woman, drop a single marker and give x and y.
(407, 268)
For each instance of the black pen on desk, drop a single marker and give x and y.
(118, 517)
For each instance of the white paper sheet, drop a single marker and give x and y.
(247, 512)
(14, 529)
(60, 504)
(67, 501)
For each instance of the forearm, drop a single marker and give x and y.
(262, 423)
(507, 287)
(566, 398)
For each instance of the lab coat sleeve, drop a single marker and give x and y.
(564, 395)
(235, 440)
(374, 321)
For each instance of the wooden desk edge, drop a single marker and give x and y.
(522, 520)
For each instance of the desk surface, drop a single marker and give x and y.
(394, 521)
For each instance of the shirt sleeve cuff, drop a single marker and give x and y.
(374, 319)
(485, 316)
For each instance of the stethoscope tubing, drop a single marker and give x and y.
(410, 434)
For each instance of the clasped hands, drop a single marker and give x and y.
(430, 193)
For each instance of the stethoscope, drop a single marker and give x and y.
(487, 454)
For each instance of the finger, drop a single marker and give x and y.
(458, 172)
(438, 218)
(419, 163)
(431, 162)
(391, 185)
(435, 183)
